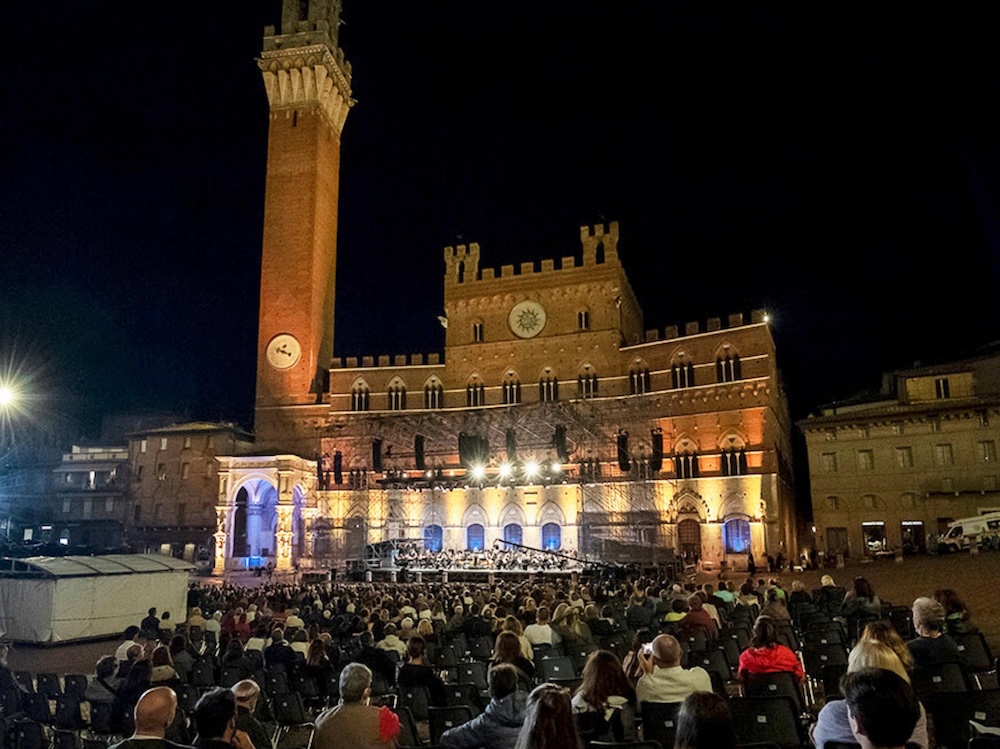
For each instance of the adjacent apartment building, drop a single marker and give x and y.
(890, 471)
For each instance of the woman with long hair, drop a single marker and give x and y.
(548, 721)
(882, 631)
(605, 688)
(956, 612)
(163, 667)
(704, 722)
(766, 655)
(507, 649)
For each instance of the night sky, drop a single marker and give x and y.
(838, 165)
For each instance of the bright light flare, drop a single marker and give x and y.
(531, 469)
(478, 472)
(505, 470)
(556, 468)
(7, 396)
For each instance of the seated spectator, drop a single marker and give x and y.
(799, 593)
(353, 724)
(698, 620)
(376, 660)
(507, 649)
(747, 597)
(956, 612)
(765, 655)
(541, 633)
(166, 625)
(663, 679)
(932, 646)
(195, 619)
(131, 638)
(319, 666)
(300, 642)
(132, 656)
(247, 692)
(103, 687)
(775, 607)
(704, 722)
(150, 626)
(631, 665)
(833, 723)
(183, 659)
(882, 631)
(215, 721)
(548, 720)
(881, 707)
(678, 610)
(604, 691)
(500, 723)
(391, 641)
(859, 603)
(163, 667)
(416, 673)
(130, 691)
(154, 715)
(258, 641)
(513, 624)
(235, 658)
(278, 653)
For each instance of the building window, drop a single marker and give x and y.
(583, 320)
(935, 423)
(551, 537)
(727, 369)
(142, 446)
(185, 470)
(897, 428)
(433, 538)
(163, 443)
(682, 375)
(513, 533)
(904, 457)
(586, 385)
(866, 460)
(397, 398)
(943, 455)
(109, 505)
(686, 466)
(477, 332)
(66, 505)
(737, 536)
(181, 513)
(161, 471)
(833, 504)
(984, 418)
(475, 537)
(511, 391)
(434, 396)
(987, 451)
(475, 395)
(359, 398)
(187, 442)
(638, 381)
(548, 389)
(941, 388)
(734, 462)
(869, 502)
(829, 462)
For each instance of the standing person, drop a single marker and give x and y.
(751, 565)
(154, 714)
(704, 722)
(548, 720)
(150, 626)
(499, 726)
(354, 723)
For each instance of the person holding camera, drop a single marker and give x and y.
(663, 679)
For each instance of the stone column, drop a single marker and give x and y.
(221, 540)
(283, 537)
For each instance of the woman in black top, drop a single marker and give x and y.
(507, 649)
(414, 673)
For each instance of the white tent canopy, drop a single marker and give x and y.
(55, 599)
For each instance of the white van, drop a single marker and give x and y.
(959, 531)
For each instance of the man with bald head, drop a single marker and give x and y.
(663, 679)
(154, 714)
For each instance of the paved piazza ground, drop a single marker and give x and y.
(976, 578)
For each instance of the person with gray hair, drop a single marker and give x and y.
(353, 723)
(931, 646)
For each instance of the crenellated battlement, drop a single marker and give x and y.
(385, 360)
(600, 246)
(695, 327)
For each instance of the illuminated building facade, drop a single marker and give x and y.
(890, 471)
(553, 418)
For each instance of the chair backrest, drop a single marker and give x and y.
(417, 699)
(36, 707)
(974, 651)
(773, 719)
(68, 713)
(75, 684)
(289, 710)
(48, 684)
(659, 722)
(713, 661)
(832, 674)
(473, 672)
(952, 712)
(24, 680)
(778, 684)
(445, 718)
(446, 656)
(943, 677)
(482, 649)
(817, 657)
(100, 718)
(408, 735)
(557, 667)
(29, 735)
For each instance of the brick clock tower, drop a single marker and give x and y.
(308, 84)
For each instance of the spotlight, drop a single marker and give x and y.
(478, 472)
(531, 469)
(556, 468)
(505, 470)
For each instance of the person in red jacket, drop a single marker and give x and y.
(766, 655)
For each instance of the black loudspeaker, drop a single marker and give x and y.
(473, 450)
(418, 452)
(320, 474)
(511, 439)
(656, 461)
(559, 443)
(377, 455)
(623, 460)
(338, 468)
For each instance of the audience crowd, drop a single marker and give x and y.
(522, 664)
(513, 559)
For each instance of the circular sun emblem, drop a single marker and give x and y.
(527, 319)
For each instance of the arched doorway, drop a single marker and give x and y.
(689, 539)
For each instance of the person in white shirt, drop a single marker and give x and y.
(663, 679)
(541, 633)
(294, 620)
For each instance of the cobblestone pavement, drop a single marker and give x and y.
(976, 578)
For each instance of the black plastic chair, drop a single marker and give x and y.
(48, 684)
(659, 722)
(557, 668)
(474, 673)
(75, 685)
(445, 718)
(778, 684)
(408, 735)
(975, 654)
(289, 713)
(481, 650)
(952, 711)
(944, 677)
(29, 735)
(417, 700)
(817, 657)
(774, 719)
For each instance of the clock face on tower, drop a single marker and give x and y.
(527, 319)
(283, 351)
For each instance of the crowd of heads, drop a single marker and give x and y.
(503, 559)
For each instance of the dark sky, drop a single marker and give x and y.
(836, 164)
